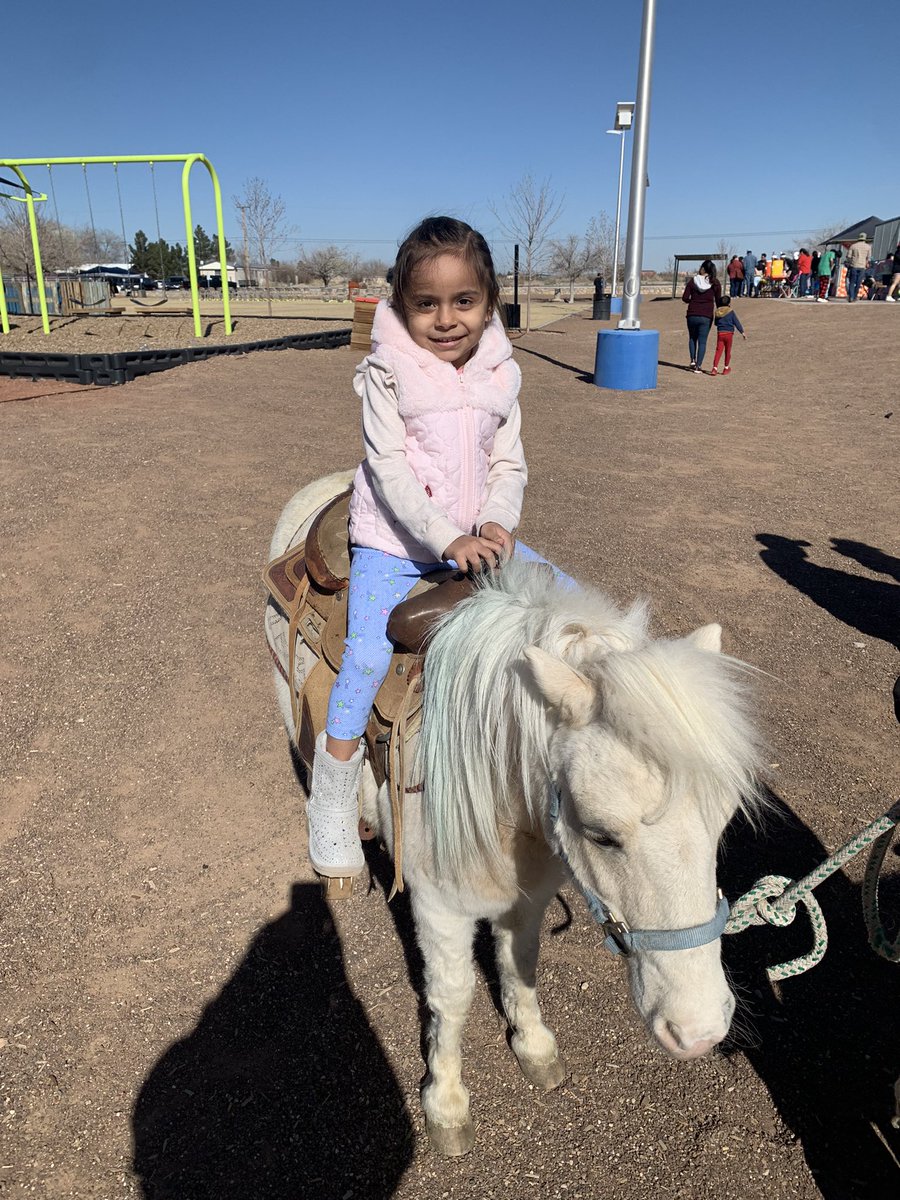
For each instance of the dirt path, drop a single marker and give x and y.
(182, 1018)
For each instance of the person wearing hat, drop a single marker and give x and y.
(857, 264)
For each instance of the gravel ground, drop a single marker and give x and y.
(182, 1017)
(109, 335)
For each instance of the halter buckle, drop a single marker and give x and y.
(618, 936)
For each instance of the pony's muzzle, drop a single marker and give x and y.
(692, 1039)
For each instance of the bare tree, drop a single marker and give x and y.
(371, 269)
(530, 211)
(326, 263)
(265, 217)
(62, 246)
(571, 257)
(820, 236)
(601, 237)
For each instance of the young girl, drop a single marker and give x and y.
(727, 321)
(442, 481)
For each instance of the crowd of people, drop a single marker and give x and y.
(816, 274)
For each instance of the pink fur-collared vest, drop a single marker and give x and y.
(451, 419)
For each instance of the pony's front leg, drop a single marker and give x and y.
(534, 1045)
(445, 939)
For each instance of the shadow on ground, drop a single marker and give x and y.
(827, 1043)
(583, 376)
(282, 1091)
(870, 605)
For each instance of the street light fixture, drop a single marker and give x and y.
(624, 119)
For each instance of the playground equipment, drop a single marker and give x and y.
(31, 198)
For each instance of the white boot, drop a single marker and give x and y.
(332, 813)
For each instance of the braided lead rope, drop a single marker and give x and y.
(773, 900)
(878, 938)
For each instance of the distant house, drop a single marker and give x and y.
(885, 238)
(848, 236)
(235, 273)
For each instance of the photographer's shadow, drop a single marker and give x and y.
(870, 605)
(825, 1043)
(282, 1091)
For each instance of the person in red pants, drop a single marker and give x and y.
(727, 321)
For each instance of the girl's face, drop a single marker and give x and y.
(448, 309)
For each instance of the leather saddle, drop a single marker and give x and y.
(308, 585)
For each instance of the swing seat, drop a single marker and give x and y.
(147, 303)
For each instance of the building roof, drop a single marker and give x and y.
(852, 232)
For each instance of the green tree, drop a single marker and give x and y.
(140, 254)
(206, 248)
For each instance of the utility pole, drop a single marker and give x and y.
(243, 208)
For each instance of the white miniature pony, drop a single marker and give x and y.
(559, 739)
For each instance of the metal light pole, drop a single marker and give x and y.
(636, 201)
(624, 117)
(628, 356)
(620, 133)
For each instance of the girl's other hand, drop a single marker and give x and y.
(470, 552)
(496, 533)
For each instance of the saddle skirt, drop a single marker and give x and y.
(306, 625)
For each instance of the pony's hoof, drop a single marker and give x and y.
(451, 1140)
(545, 1076)
(339, 887)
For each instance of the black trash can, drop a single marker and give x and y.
(513, 316)
(602, 310)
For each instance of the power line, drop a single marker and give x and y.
(674, 237)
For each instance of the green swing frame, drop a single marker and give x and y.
(31, 197)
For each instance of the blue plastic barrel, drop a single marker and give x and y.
(627, 359)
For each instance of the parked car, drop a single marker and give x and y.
(214, 281)
(174, 282)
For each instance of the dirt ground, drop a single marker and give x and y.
(182, 1018)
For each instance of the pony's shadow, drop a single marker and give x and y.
(282, 1090)
(870, 605)
(826, 1043)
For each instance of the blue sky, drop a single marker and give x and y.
(767, 117)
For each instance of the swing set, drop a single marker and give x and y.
(32, 197)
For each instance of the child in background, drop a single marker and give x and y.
(727, 321)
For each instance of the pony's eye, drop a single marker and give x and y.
(602, 839)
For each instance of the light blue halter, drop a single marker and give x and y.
(618, 937)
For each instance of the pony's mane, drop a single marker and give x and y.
(486, 731)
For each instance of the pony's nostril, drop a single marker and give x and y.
(685, 1044)
(674, 1032)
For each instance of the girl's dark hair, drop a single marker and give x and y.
(708, 268)
(431, 238)
(724, 301)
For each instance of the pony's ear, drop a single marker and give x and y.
(707, 637)
(564, 688)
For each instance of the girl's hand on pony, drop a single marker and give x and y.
(470, 552)
(496, 533)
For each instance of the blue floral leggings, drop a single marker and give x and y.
(378, 582)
